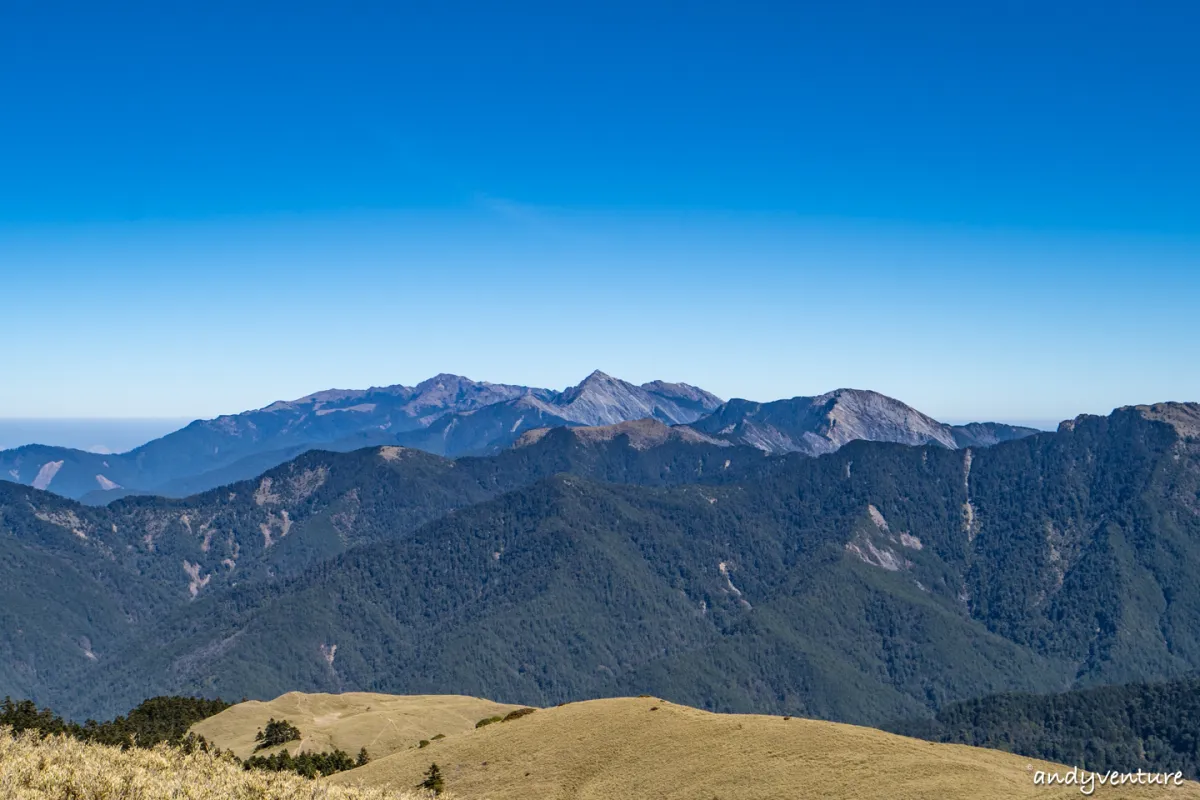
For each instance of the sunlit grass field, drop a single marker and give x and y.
(60, 768)
(634, 748)
(382, 723)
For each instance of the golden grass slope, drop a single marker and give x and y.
(628, 748)
(382, 723)
(58, 768)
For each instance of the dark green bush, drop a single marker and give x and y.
(520, 712)
(310, 765)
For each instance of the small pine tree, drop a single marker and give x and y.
(433, 780)
(362, 759)
(277, 732)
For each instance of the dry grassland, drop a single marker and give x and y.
(60, 768)
(628, 748)
(382, 723)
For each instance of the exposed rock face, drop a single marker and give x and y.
(822, 424)
(46, 474)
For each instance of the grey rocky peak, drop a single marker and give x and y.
(601, 399)
(823, 423)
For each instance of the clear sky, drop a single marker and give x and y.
(988, 210)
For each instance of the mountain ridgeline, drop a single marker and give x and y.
(453, 416)
(876, 582)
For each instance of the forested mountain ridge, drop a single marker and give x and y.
(322, 503)
(75, 580)
(876, 582)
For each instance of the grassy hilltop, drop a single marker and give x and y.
(382, 723)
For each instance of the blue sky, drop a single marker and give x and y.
(985, 209)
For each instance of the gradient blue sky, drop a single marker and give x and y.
(984, 209)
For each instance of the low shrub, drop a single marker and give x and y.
(310, 765)
(520, 712)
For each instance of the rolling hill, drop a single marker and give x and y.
(382, 723)
(646, 747)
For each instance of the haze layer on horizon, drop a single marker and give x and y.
(984, 214)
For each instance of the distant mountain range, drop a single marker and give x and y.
(454, 416)
(876, 582)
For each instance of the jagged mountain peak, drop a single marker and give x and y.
(597, 381)
(823, 423)
(601, 399)
(445, 380)
(865, 414)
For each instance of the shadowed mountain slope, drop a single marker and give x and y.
(1149, 726)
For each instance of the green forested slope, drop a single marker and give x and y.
(1154, 727)
(877, 582)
